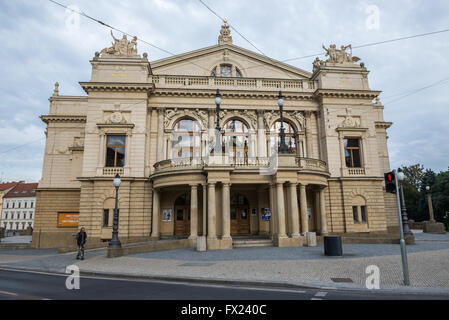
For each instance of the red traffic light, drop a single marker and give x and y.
(390, 182)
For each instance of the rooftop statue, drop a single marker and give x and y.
(225, 34)
(340, 55)
(122, 47)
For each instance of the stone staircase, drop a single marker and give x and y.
(251, 242)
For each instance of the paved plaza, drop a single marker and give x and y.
(303, 266)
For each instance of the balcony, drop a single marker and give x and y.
(235, 163)
(111, 172)
(256, 84)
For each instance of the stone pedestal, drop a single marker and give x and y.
(434, 227)
(201, 244)
(115, 252)
(288, 242)
(311, 239)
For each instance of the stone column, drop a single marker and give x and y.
(226, 210)
(211, 225)
(101, 152)
(294, 210)
(156, 208)
(303, 203)
(310, 153)
(261, 136)
(204, 210)
(323, 213)
(127, 167)
(160, 135)
(273, 226)
(280, 210)
(193, 212)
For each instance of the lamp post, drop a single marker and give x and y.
(283, 148)
(429, 201)
(407, 232)
(115, 242)
(217, 128)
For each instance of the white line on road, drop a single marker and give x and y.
(9, 293)
(321, 294)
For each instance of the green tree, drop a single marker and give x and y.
(413, 179)
(440, 197)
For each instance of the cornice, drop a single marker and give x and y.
(383, 125)
(63, 119)
(210, 94)
(116, 87)
(343, 93)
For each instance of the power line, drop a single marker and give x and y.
(21, 146)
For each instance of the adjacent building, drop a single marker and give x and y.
(18, 208)
(191, 168)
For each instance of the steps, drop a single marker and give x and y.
(251, 242)
(15, 246)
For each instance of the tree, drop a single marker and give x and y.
(411, 184)
(440, 197)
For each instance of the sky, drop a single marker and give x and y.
(42, 43)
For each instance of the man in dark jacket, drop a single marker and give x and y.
(81, 238)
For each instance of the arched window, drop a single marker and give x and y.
(225, 71)
(236, 139)
(290, 136)
(186, 139)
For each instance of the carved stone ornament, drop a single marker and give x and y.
(350, 122)
(116, 117)
(340, 55)
(202, 115)
(169, 115)
(123, 48)
(225, 34)
(268, 119)
(298, 116)
(252, 117)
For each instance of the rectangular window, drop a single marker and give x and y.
(7, 205)
(26, 204)
(352, 153)
(364, 215)
(106, 218)
(355, 213)
(19, 204)
(115, 151)
(13, 205)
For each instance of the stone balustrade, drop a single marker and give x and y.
(170, 81)
(113, 171)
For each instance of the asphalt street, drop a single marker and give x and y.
(18, 285)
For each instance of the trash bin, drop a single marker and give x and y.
(333, 246)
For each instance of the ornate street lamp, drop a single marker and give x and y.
(407, 232)
(429, 201)
(217, 128)
(115, 242)
(283, 148)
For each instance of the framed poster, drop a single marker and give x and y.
(68, 220)
(166, 215)
(309, 213)
(254, 212)
(266, 214)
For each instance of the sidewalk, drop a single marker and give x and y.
(308, 267)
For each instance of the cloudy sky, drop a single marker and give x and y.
(41, 43)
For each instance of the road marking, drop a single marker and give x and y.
(321, 294)
(9, 293)
(316, 299)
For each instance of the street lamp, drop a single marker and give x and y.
(115, 242)
(283, 148)
(429, 201)
(401, 178)
(217, 128)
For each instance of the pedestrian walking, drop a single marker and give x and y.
(81, 238)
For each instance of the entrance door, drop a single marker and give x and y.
(240, 220)
(182, 221)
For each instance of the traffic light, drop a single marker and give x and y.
(390, 182)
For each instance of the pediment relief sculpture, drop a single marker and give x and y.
(115, 118)
(121, 48)
(350, 122)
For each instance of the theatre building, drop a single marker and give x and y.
(155, 124)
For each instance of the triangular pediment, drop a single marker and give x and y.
(250, 64)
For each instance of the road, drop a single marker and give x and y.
(19, 285)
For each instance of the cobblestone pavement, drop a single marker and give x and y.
(17, 239)
(428, 263)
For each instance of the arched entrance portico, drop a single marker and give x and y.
(240, 215)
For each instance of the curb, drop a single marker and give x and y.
(253, 283)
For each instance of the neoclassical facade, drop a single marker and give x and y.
(154, 124)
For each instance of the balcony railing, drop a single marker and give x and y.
(261, 84)
(112, 171)
(237, 163)
(355, 171)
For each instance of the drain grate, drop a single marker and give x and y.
(342, 280)
(196, 264)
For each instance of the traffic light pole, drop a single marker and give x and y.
(402, 241)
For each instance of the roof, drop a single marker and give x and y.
(7, 185)
(22, 190)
